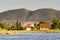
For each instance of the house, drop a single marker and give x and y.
(46, 26)
(28, 23)
(28, 27)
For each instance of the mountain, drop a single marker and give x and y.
(13, 15)
(25, 15)
(43, 15)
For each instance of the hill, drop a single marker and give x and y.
(25, 15)
(43, 15)
(12, 15)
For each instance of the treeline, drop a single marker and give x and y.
(55, 24)
(17, 26)
(9, 27)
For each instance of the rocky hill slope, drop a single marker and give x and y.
(25, 15)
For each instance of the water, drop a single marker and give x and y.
(32, 36)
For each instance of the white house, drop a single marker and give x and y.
(28, 27)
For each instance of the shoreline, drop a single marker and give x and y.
(25, 31)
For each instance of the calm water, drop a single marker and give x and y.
(32, 36)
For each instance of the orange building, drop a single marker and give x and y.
(45, 26)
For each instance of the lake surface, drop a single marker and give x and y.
(32, 36)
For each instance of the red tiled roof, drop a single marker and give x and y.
(45, 25)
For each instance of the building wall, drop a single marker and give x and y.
(45, 25)
(44, 28)
(28, 29)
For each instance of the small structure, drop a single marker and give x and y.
(28, 23)
(45, 26)
(28, 27)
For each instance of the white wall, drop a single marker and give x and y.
(44, 28)
(28, 29)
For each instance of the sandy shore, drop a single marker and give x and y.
(24, 31)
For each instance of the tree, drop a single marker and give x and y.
(43, 22)
(13, 27)
(6, 26)
(35, 26)
(18, 25)
(56, 23)
(1, 26)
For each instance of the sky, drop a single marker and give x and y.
(28, 4)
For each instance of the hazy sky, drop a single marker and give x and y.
(28, 4)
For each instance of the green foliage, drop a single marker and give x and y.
(43, 22)
(18, 25)
(35, 26)
(56, 23)
(1, 26)
(6, 26)
(13, 27)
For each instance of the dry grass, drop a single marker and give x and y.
(18, 32)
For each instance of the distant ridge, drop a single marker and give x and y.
(25, 15)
